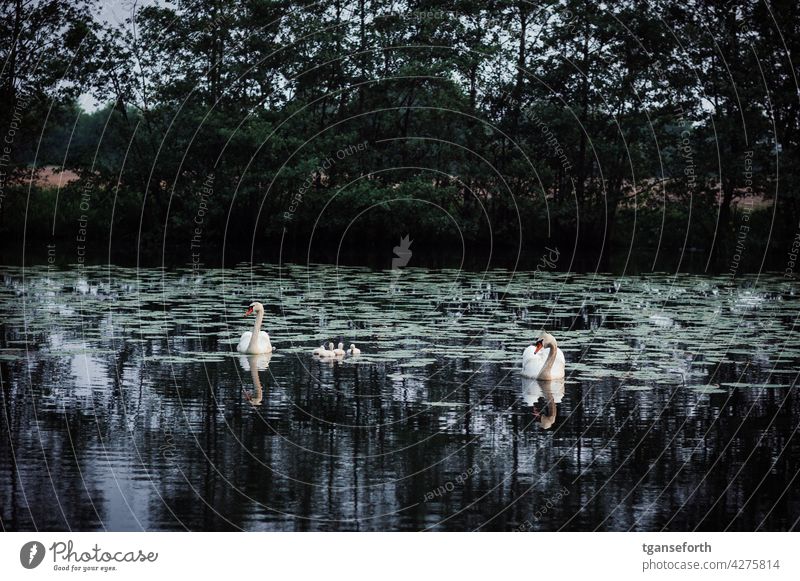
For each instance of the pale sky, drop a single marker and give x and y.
(114, 12)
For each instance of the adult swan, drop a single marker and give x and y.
(255, 341)
(543, 360)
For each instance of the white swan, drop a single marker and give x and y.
(319, 350)
(255, 341)
(339, 351)
(353, 350)
(543, 359)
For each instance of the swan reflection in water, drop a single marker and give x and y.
(551, 391)
(254, 364)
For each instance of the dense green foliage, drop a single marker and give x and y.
(654, 126)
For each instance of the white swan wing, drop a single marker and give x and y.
(264, 344)
(529, 353)
(244, 342)
(532, 364)
(560, 364)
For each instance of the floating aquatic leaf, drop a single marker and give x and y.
(706, 388)
(746, 385)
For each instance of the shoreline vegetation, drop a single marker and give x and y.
(61, 254)
(346, 126)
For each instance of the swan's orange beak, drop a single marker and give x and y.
(538, 348)
(250, 310)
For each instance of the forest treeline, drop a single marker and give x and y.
(658, 126)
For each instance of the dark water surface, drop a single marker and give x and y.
(125, 406)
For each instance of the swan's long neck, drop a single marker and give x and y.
(256, 331)
(551, 357)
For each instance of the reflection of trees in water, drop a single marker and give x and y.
(43, 453)
(343, 480)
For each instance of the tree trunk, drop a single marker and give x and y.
(584, 117)
(9, 88)
(516, 93)
(362, 47)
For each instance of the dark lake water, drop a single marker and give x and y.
(125, 406)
